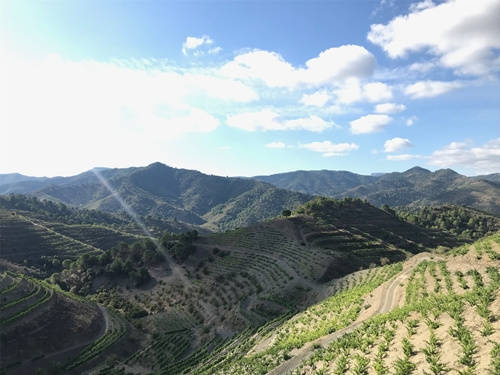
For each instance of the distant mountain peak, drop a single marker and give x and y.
(418, 170)
(157, 164)
(447, 171)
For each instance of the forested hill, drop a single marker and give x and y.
(324, 182)
(414, 187)
(158, 190)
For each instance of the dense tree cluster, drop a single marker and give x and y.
(122, 261)
(326, 208)
(464, 222)
(180, 246)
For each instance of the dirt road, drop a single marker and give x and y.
(388, 290)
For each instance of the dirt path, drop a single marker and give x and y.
(389, 290)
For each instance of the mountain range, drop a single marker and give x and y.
(414, 187)
(214, 202)
(220, 203)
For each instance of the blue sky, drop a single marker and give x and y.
(246, 88)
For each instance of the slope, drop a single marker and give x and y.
(249, 281)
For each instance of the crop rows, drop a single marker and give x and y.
(373, 346)
(22, 240)
(116, 329)
(332, 314)
(22, 297)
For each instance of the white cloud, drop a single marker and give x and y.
(193, 43)
(463, 34)
(317, 99)
(422, 67)
(60, 107)
(214, 51)
(331, 65)
(483, 159)
(402, 157)
(328, 148)
(276, 145)
(397, 144)
(389, 108)
(312, 123)
(351, 91)
(376, 92)
(411, 120)
(267, 119)
(430, 89)
(421, 5)
(369, 124)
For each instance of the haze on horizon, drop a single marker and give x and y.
(221, 88)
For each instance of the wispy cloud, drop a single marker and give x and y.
(268, 119)
(404, 157)
(328, 149)
(430, 89)
(389, 108)
(411, 120)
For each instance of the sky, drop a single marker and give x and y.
(243, 88)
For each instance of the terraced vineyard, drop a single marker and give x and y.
(21, 296)
(447, 322)
(255, 300)
(274, 343)
(95, 235)
(25, 242)
(31, 305)
(115, 329)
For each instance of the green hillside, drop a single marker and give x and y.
(414, 187)
(464, 222)
(325, 183)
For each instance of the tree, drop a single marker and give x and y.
(286, 213)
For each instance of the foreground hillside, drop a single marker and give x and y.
(414, 187)
(217, 203)
(243, 301)
(434, 314)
